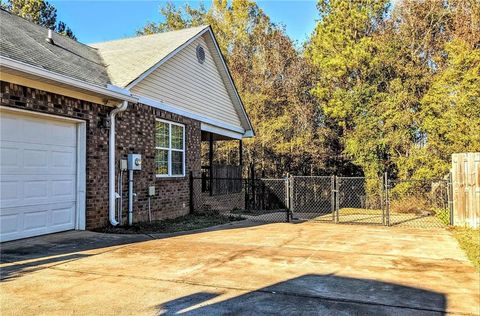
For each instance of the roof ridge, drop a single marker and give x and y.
(203, 26)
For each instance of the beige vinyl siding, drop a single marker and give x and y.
(186, 84)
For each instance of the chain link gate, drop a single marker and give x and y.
(312, 198)
(359, 200)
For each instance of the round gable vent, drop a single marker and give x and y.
(200, 54)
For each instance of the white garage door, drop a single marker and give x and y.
(37, 175)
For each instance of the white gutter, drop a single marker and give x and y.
(111, 163)
(110, 91)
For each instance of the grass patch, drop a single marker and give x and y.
(469, 240)
(359, 211)
(443, 215)
(183, 223)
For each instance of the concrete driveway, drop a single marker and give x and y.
(307, 268)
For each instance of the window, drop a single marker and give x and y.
(169, 149)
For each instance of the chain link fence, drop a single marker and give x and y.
(419, 203)
(262, 200)
(352, 200)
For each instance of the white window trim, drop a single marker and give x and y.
(170, 149)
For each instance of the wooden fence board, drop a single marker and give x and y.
(466, 189)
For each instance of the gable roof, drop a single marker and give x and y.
(127, 59)
(130, 60)
(26, 42)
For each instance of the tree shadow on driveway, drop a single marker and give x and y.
(314, 294)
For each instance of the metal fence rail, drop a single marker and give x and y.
(352, 200)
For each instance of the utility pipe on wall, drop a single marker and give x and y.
(131, 196)
(111, 163)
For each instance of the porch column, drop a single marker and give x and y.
(240, 152)
(210, 162)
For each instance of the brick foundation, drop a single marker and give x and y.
(135, 134)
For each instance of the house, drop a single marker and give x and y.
(71, 112)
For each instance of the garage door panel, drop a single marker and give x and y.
(37, 175)
(11, 128)
(9, 190)
(25, 190)
(64, 188)
(30, 159)
(9, 223)
(65, 159)
(9, 156)
(35, 158)
(28, 221)
(36, 219)
(63, 216)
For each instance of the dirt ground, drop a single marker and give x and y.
(305, 268)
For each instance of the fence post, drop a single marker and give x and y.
(192, 207)
(287, 196)
(450, 197)
(387, 200)
(337, 200)
(291, 194)
(247, 192)
(252, 178)
(332, 197)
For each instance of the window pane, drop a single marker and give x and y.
(161, 134)
(177, 137)
(177, 163)
(161, 161)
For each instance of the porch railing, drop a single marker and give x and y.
(225, 179)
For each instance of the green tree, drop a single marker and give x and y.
(380, 71)
(451, 111)
(40, 12)
(344, 51)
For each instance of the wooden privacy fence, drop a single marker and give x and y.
(466, 189)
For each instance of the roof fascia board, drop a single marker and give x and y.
(110, 91)
(203, 119)
(220, 131)
(165, 59)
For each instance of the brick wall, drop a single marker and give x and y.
(135, 134)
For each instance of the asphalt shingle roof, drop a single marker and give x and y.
(117, 62)
(128, 58)
(24, 41)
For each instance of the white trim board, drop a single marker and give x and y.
(110, 91)
(220, 131)
(212, 122)
(170, 149)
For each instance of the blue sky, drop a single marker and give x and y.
(96, 21)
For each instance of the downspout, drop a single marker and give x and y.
(111, 163)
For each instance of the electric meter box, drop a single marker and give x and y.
(151, 190)
(134, 162)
